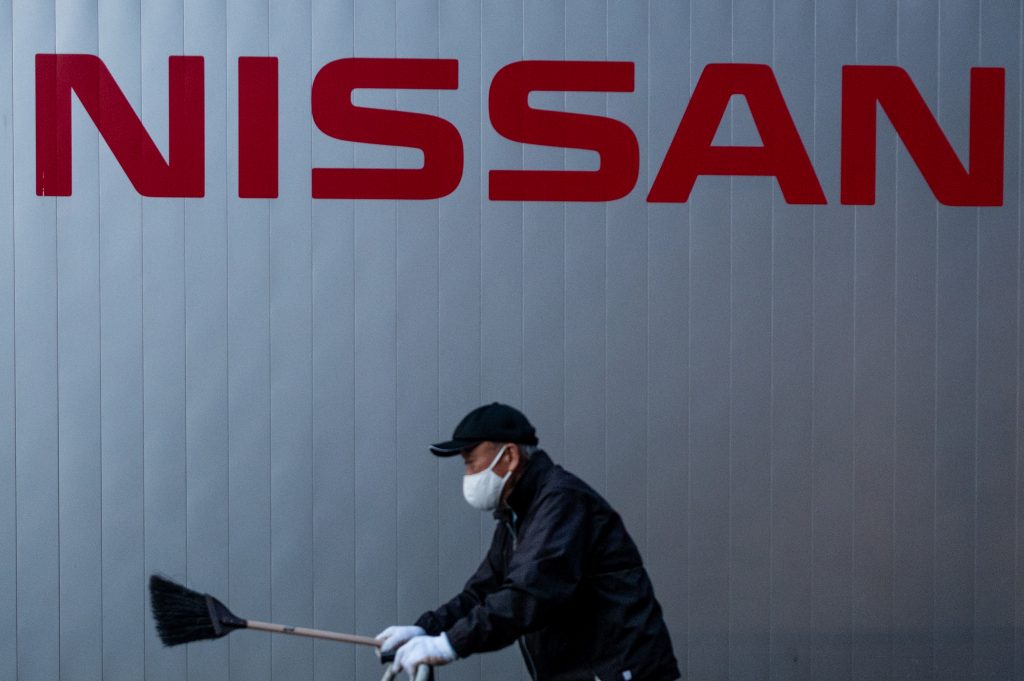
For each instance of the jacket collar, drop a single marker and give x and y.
(526, 488)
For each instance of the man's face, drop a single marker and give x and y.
(481, 456)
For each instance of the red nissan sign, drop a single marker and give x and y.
(690, 155)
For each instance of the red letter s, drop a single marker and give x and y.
(513, 119)
(335, 115)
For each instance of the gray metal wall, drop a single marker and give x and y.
(808, 417)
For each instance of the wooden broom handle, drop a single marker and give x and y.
(313, 633)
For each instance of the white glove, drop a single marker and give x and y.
(434, 650)
(396, 636)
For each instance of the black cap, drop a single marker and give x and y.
(490, 423)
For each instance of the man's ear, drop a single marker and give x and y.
(515, 457)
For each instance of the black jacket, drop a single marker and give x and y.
(564, 578)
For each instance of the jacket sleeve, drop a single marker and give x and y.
(485, 580)
(544, 573)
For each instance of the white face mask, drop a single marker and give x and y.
(483, 490)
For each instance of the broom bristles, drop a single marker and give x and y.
(182, 615)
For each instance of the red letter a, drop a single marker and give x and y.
(58, 74)
(691, 153)
(892, 87)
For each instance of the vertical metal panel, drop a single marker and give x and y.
(668, 329)
(501, 228)
(78, 375)
(750, 376)
(1018, 666)
(710, 338)
(9, 508)
(874, 290)
(291, 411)
(459, 315)
(206, 338)
(956, 366)
(417, 336)
(998, 270)
(832, 495)
(501, 265)
(36, 400)
(248, 379)
(125, 620)
(543, 260)
(585, 248)
(461, 544)
(914, 371)
(376, 362)
(626, 272)
(163, 338)
(334, 496)
(1018, 660)
(792, 365)
(544, 255)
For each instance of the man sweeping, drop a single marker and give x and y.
(562, 576)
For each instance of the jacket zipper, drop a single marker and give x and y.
(522, 644)
(529, 660)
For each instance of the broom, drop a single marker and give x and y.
(183, 616)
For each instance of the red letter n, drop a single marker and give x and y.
(892, 87)
(58, 74)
